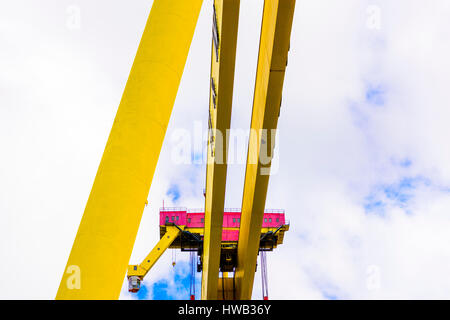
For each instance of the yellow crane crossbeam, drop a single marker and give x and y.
(100, 253)
(166, 240)
(223, 57)
(272, 61)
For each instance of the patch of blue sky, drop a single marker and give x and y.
(328, 290)
(396, 194)
(324, 284)
(329, 296)
(405, 163)
(174, 193)
(177, 286)
(143, 293)
(197, 158)
(161, 291)
(374, 205)
(376, 95)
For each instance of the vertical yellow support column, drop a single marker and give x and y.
(272, 60)
(102, 248)
(223, 57)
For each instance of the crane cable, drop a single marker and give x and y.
(265, 287)
(192, 280)
(174, 257)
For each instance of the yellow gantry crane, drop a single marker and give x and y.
(185, 229)
(223, 56)
(102, 248)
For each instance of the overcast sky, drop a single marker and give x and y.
(364, 156)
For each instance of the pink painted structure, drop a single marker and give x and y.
(194, 218)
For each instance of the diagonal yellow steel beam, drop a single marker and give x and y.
(163, 244)
(272, 61)
(223, 57)
(102, 247)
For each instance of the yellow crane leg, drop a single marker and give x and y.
(142, 269)
(272, 60)
(102, 247)
(223, 57)
(225, 289)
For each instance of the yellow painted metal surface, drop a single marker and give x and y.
(225, 288)
(142, 269)
(108, 229)
(223, 57)
(272, 60)
(200, 232)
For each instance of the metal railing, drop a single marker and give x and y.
(196, 210)
(201, 210)
(232, 210)
(274, 211)
(173, 209)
